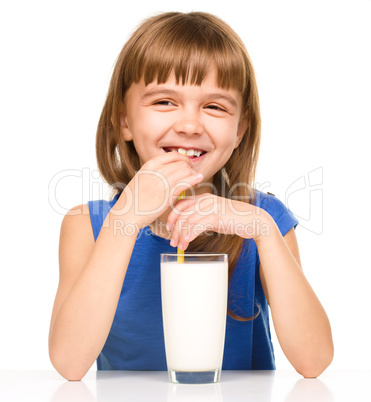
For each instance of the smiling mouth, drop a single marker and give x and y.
(192, 153)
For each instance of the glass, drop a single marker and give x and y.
(194, 308)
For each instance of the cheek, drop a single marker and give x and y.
(225, 133)
(150, 125)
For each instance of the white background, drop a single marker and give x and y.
(312, 61)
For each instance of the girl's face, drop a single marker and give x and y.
(163, 117)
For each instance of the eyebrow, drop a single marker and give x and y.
(159, 91)
(170, 92)
(227, 98)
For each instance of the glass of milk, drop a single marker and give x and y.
(194, 308)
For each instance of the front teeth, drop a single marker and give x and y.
(190, 152)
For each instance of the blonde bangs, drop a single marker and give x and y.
(190, 49)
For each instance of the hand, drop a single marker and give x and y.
(157, 185)
(207, 212)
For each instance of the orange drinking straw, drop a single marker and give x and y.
(180, 253)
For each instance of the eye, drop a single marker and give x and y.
(216, 107)
(164, 103)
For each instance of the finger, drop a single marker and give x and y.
(179, 171)
(190, 233)
(187, 183)
(186, 230)
(169, 157)
(196, 226)
(175, 235)
(184, 207)
(180, 208)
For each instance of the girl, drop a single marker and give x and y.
(183, 82)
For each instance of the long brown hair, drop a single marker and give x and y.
(188, 45)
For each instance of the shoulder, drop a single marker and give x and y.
(87, 218)
(76, 242)
(281, 214)
(77, 223)
(79, 213)
(270, 203)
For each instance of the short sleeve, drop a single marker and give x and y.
(98, 211)
(282, 215)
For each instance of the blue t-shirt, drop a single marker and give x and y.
(136, 339)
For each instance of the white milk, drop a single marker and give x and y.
(194, 305)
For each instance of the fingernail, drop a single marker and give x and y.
(172, 243)
(168, 227)
(187, 237)
(180, 245)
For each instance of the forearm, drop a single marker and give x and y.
(302, 326)
(83, 321)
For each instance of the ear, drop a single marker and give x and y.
(124, 128)
(241, 130)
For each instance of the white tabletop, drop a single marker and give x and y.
(235, 386)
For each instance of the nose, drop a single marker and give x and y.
(189, 122)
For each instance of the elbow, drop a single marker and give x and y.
(69, 373)
(314, 367)
(66, 368)
(312, 371)
(70, 362)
